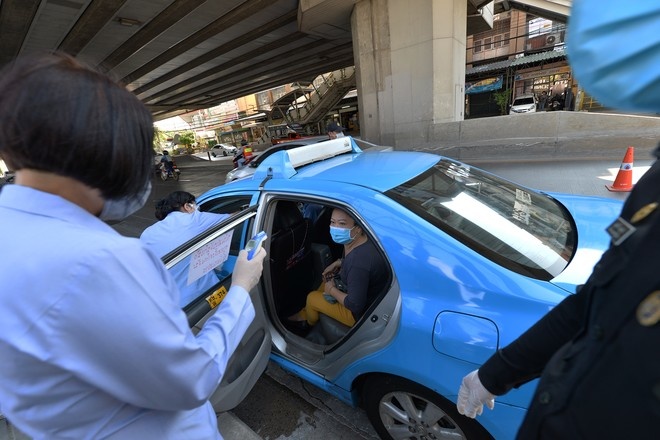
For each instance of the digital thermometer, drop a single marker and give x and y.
(253, 245)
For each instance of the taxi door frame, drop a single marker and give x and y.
(251, 357)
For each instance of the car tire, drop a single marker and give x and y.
(388, 401)
(224, 153)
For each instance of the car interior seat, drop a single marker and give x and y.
(291, 261)
(322, 258)
(327, 331)
(321, 233)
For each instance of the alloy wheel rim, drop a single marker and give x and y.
(408, 416)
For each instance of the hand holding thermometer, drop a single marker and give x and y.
(253, 245)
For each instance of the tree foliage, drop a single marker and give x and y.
(502, 100)
(160, 138)
(187, 138)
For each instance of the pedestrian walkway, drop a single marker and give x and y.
(8, 432)
(231, 428)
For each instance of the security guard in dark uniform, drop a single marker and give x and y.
(597, 353)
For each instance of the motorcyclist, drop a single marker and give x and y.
(167, 161)
(245, 155)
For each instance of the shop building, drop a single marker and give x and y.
(521, 55)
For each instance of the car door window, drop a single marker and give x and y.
(202, 267)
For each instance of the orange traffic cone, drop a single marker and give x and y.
(623, 181)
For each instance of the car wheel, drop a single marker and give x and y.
(224, 153)
(401, 409)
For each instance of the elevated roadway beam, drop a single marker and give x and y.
(556, 10)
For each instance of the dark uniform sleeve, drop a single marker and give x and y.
(525, 358)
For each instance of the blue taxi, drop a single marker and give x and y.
(473, 260)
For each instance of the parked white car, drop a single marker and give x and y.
(6, 175)
(223, 150)
(523, 104)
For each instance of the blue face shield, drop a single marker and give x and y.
(614, 51)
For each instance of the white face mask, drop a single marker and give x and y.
(119, 209)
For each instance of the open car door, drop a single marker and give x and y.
(202, 268)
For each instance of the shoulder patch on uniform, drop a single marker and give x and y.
(620, 230)
(643, 212)
(648, 311)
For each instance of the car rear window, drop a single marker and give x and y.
(518, 228)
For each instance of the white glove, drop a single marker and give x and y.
(473, 395)
(247, 273)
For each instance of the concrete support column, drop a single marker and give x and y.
(410, 61)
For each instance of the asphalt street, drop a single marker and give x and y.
(197, 176)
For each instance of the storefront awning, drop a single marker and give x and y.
(491, 67)
(541, 56)
(527, 59)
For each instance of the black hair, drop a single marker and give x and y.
(60, 116)
(173, 202)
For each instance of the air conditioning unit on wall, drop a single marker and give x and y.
(554, 38)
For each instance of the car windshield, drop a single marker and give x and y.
(522, 230)
(522, 101)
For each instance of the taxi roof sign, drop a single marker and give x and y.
(283, 164)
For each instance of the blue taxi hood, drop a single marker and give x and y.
(378, 170)
(592, 216)
(341, 160)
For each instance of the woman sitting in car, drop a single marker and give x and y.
(350, 283)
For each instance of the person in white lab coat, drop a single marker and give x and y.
(93, 343)
(179, 221)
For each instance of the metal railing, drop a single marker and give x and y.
(326, 90)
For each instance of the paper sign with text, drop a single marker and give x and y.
(211, 255)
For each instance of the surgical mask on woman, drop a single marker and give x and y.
(341, 235)
(119, 209)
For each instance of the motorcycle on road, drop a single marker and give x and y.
(169, 172)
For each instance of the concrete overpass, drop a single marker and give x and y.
(182, 55)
